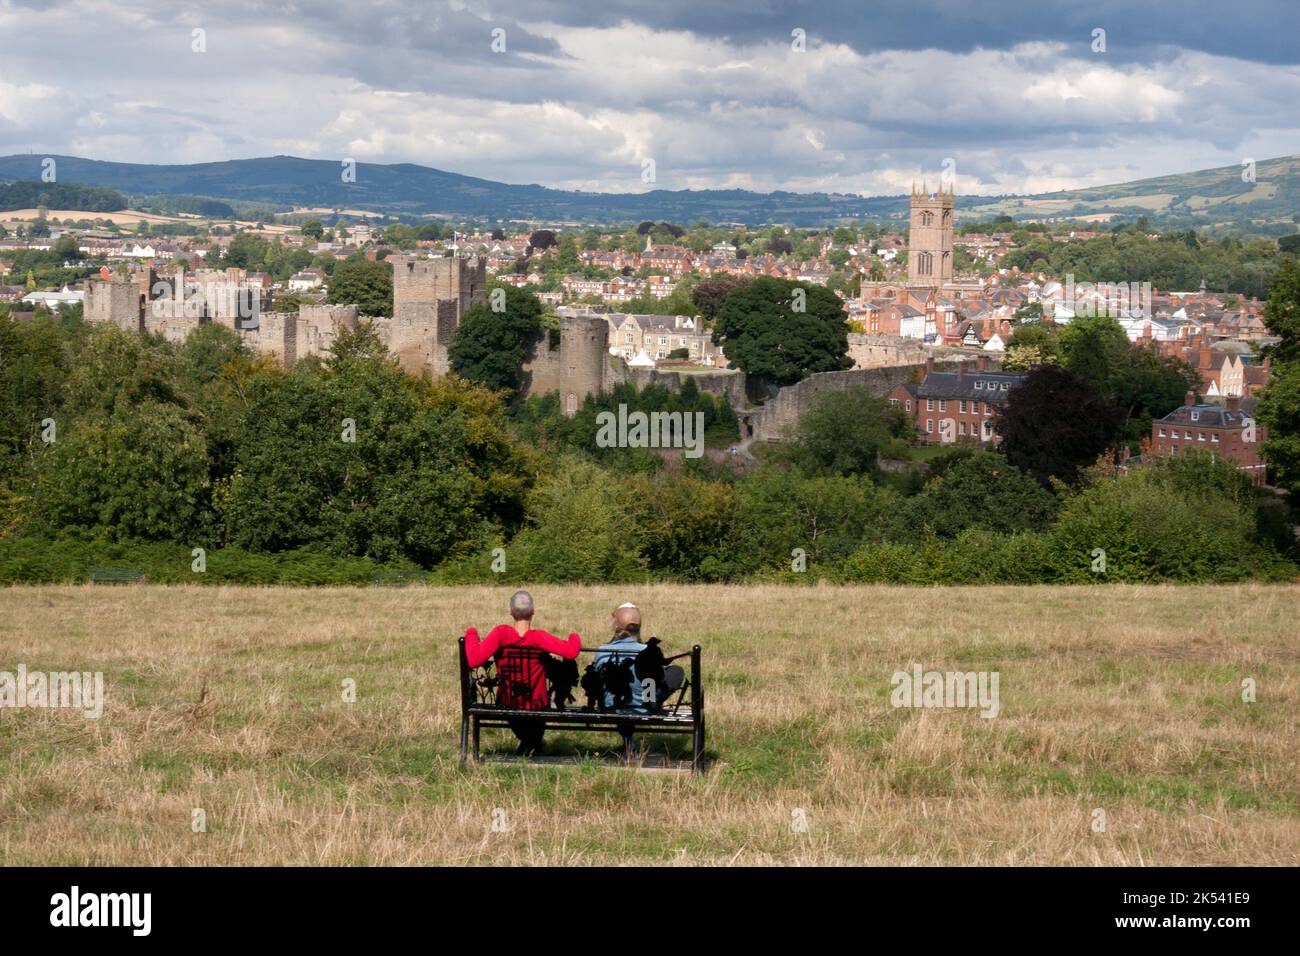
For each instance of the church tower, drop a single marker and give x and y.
(929, 244)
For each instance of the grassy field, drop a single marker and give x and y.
(1120, 699)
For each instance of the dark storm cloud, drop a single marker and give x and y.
(1264, 31)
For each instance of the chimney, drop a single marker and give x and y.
(963, 367)
(1234, 403)
(1268, 361)
(1190, 399)
(982, 363)
(1203, 358)
(929, 365)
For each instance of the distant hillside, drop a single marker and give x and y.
(419, 190)
(1209, 197)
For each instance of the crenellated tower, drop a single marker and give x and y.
(929, 243)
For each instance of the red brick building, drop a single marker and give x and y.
(956, 407)
(1224, 431)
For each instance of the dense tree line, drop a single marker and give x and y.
(126, 449)
(31, 194)
(1175, 261)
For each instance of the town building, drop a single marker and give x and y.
(1226, 431)
(957, 407)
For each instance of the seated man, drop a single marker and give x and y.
(523, 679)
(632, 674)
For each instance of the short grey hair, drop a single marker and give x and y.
(521, 604)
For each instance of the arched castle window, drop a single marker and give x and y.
(947, 217)
(927, 218)
(571, 404)
(925, 264)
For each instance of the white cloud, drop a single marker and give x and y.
(582, 106)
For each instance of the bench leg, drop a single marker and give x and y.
(629, 745)
(697, 748)
(464, 737)
(476, 730)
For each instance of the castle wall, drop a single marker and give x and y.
(881, 351)
(319, 325)
(722, 383)
(116, 300)
(276, 335)
(782, 411)
(429, 298)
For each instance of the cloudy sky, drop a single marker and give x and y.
(715, 92)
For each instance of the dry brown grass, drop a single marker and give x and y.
(1120, 698)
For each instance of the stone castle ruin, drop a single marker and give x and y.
(429, 298)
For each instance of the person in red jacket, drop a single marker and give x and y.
(523, 687)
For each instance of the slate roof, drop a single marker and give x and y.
(1207, 416)
(980, 386)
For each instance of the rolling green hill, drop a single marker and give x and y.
(1217, 199)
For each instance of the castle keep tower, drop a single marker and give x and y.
(116, 299)
(929, 244)
(429, 297)
(572, 363)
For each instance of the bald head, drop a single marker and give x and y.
(627, 619)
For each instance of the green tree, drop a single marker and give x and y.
(1146, 384)
(365, 284)
(490, 346)
(683, 523)
(1279, 405)
(980, 490)
(1282, 312)
(779, 511)
(844, 432)
(1178, 518)
(138, 474)
(363, 460)
(1055, 423)
(580, 529)
(1092, 347)
(782, 331)
(247, 251)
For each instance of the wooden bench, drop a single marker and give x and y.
(116, 575)
(479, 707)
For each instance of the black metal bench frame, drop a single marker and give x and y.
(478, 707)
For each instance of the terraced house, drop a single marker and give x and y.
(956, 407)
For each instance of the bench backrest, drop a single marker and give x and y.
(510, 679)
